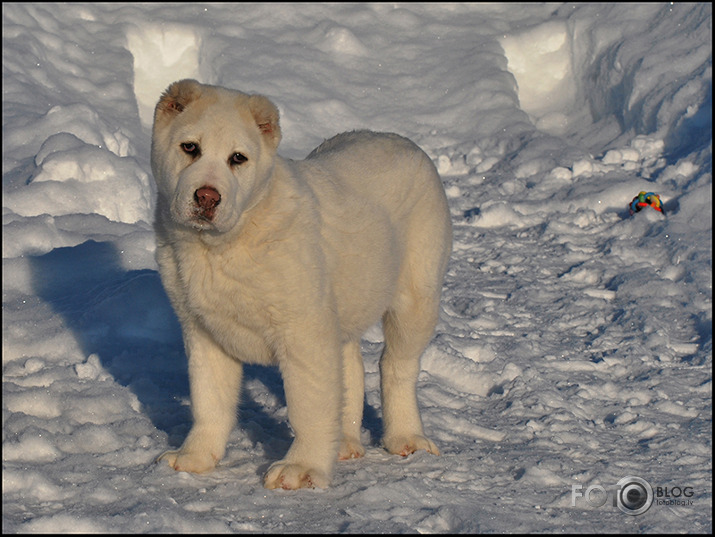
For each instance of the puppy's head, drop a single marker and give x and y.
(212, 154)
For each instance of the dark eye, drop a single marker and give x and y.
(237, 159)
(191, 148)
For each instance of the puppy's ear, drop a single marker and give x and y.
(177, 97)
(265, 113)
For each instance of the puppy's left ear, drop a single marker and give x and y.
(266, 115)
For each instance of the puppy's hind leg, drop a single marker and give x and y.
(408, 327)
(354, 390)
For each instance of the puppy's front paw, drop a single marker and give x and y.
(189, 461)
(291, 476)
(406, 445)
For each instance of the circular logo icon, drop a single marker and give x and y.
(634, 495)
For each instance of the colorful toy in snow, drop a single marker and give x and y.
(646, 199)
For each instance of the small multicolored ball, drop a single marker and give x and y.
(646, 199)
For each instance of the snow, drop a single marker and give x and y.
(575, 341)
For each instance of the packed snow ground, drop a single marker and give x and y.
(575, 342)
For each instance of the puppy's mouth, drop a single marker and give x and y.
(206, 200)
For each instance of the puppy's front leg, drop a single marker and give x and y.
(313, 387)
(214, 380)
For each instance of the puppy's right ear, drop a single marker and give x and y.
(177, 97)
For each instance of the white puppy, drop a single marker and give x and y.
(272, 261)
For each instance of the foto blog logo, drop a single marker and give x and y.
(632, 495)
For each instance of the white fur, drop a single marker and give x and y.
(296, 261)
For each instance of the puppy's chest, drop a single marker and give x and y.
(227, 292)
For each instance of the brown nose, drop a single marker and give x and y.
(207, 197)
